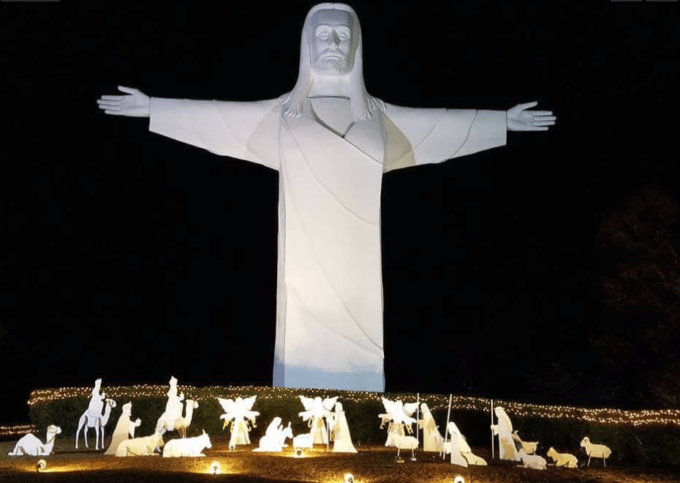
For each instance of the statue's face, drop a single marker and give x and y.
(332, 43)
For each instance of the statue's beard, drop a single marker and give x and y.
(331, 61)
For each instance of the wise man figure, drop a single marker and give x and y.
(174, 406)
(331, 143)
(94, 408)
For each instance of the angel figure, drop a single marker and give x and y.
(398, 416)
(315, 410)
(342, 440)
(239, 413)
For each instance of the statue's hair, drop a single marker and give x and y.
(362, 104)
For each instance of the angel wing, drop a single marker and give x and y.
(389, 405)
(307, 402)
(329, 403)
(228, 405)
(410, 408)
(248, 402)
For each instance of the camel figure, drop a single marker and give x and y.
(32, 446)
(181, 424)
(95, 421)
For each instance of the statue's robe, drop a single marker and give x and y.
(329, 327)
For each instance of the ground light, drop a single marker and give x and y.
(349, 478)
(459, 479)
(215, 468)
(42, 464)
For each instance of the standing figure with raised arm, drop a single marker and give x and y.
(331, 143)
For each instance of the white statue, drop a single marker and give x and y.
(239, 412)
(145, 446)
(596, 450)
(342, 439)
(398, 415)
(432, 439)
(30, 445)
(528, 448)
(461, 454)
(332, 143)
(532, 461)
(506, 445)
(562, 459)
(98, 421)
(172, 419)
(315, 411)
(274, 439)
(187, 447)
(124, 428)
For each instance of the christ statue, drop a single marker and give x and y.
(331, 143)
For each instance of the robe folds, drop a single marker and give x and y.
(329, 322)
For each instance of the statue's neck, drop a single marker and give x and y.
(329, 86)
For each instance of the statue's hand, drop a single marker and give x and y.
(134, 105)
(519, 119)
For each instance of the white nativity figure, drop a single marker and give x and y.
(145, 446)
(239, 412)
(93, 417)
(532, 461)
(125, 428)
(398, 415)
(562, 460)
(596, 450)
(332, 143)
(461, 454)
(274, 439)
(172, 419)
(187, 447)
(432, 438)
(315, 411)
(528, 448)
(506, 445)
(30, 445)
(342, 439)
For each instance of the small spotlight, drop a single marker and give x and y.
(298, 452)
(349, 478)
(459, 479)
(215, 468)
(42, 464)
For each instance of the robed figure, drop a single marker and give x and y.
(331, 143)
(125, 429)
(506, 445)
(342, 439)
(432, 438)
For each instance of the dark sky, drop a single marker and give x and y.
(129, 256)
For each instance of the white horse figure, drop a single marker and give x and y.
(180, 423)
(96, 421)
(31, 446)
(274, 439)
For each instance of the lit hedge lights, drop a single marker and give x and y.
(435, 402)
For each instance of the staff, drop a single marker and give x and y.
(492, 440)
(446, 433)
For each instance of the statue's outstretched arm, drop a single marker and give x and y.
(520, 119)
(135, 104)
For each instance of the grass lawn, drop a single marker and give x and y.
(373, 464)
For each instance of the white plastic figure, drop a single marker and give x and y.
(172, 419)
(239, 413)
(275, 437)
(322, 137)
(30, 445)
(506, 445)
(596, 450)
(187, 447)
(401, 441)
(124, 429)
(459, 443)
(96, 421)
(398, 415)
(528, 448)
(532, 461)
(342, 440)
(563, 459)
(432, 438)
(315, 411)
(140, 446)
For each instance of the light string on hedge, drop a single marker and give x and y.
(17, 430)
(435, 402)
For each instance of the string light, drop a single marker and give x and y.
(434, 401)
(18, 430)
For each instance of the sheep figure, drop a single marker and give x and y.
(529, 448)
(596, 450)
(400, 442)
(140, 446)
(563, 459)
(534, 462)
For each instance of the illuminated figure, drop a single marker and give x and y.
(342, 439)
(315, 411)
(239, 412)
(331, 143)
(124, 428)
(506, 444)
(398, 415)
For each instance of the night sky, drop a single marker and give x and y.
(132, 257)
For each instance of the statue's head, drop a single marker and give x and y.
(331, 45)
(98, 383)
(127, 408)
(173, 381)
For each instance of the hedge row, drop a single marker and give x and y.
(653, 444)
